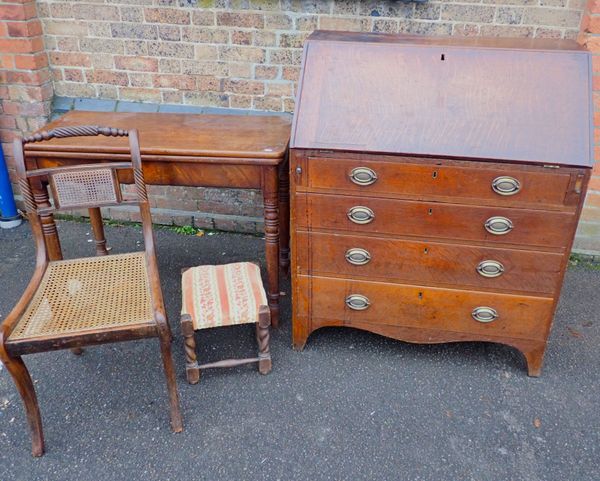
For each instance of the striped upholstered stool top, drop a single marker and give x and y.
(222, 295)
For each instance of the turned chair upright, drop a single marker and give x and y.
(92, 300)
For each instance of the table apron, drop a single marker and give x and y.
(200, 174)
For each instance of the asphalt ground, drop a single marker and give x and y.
(351, 406)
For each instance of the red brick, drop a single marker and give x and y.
(31, 62)
(592, 200)
(7, 122)
(18, 12)
(24, 29)
(139, 64)
(592, 43)
(37, 77)
(590, 23)
(3, 30)
(593, 6)
(19, 108)
(594, 182)
(7, 61)
(29, 94)
(8, 135)
(18, 45)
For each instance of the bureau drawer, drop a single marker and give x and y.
(373, 216)
(421, 262)
(533, 187)
(425, 307)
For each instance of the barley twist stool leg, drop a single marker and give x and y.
(263, 337)
(192, 370)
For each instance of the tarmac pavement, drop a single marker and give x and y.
(352, 406)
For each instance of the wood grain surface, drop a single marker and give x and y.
(391, 94)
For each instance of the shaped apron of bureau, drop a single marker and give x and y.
(436, 186)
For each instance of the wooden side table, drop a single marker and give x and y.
(231, 151)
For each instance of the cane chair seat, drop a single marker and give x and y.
(88, 294)
(223, 295)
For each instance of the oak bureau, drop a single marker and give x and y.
(436, 185)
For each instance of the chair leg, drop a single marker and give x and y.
(262, 337)
(165, 350)
(192, 371)
(22, 379)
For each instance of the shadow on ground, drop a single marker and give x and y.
(351, 406)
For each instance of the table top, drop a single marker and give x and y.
(492, 99)
(263, 139)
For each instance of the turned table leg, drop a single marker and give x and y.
(98, 230)
(284, 218)
(270, 188)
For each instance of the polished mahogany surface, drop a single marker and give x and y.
(225, 136)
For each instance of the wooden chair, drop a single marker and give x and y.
(86, 301)
(224, 295)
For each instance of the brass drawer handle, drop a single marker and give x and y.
(490, 268)
(357, 256)
(498, 225)
(506, 185)
(360, 214)
(357, 302)
(363, 176)
(484, 314)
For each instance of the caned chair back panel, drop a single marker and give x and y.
(95, 188)
(82, 186)
(95, 185)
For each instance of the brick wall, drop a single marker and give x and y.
(242, 54)
(246, 53)
(588, 232)
(25, 81)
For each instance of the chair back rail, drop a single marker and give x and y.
(89, 186)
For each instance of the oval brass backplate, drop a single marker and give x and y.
(357, 256)
(357, 302)
(484, 314)
(490, 268)
(363, 176)
(498, 225)
(360, 214)
(506, 185)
